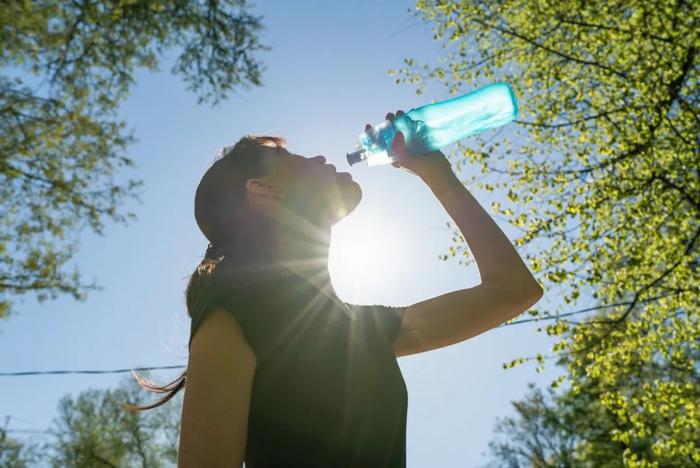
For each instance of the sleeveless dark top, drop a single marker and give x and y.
(327, 391)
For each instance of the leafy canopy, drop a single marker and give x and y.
(572, 426)
(603, 182)
(95, 429)
(66, 67)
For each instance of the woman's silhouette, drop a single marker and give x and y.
(281, 372)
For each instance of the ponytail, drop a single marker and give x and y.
(221, 214)
(197, 288)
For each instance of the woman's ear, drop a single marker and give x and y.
(257, 187)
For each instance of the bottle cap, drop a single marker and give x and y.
(356, 156)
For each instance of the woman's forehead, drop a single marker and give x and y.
(280, 158)
(283, 152)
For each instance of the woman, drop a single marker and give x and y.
(281, 372)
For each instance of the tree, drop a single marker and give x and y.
(94, 429)
(15, 453)
(66, 67)
(573, 428)
(556, 431)
(604, 180)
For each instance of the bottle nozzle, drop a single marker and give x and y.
(356, 156)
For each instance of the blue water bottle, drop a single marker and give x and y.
(433, 126)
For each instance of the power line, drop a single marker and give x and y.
(115, 371)
(119, 371)
(26, 431)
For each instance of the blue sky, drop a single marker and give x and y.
(326, 77)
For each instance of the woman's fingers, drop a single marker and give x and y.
(389, 116)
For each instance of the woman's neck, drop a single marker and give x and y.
(300, 244)
(305, 249)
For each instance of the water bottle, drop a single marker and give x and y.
(433, 126)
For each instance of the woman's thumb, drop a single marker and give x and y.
(398, 144)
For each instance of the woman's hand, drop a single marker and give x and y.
(422, 165)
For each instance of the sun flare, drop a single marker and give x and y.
(364, 254)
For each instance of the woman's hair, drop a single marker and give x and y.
(222, 215)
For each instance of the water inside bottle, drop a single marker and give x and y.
(432, 127)
(424, 138)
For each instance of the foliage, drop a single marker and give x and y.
(573, 426)
(551, 431)
(603, 179)
(94, 429)
(15, 453)
(66, 66)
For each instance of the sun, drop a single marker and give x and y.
(364, 255)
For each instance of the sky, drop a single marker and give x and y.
(325, 78)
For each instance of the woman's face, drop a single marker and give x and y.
(307, 186)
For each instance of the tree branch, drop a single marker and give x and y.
(550, 50)
(610, 28)
(614, 323)
(581, 311)
(568, 124)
